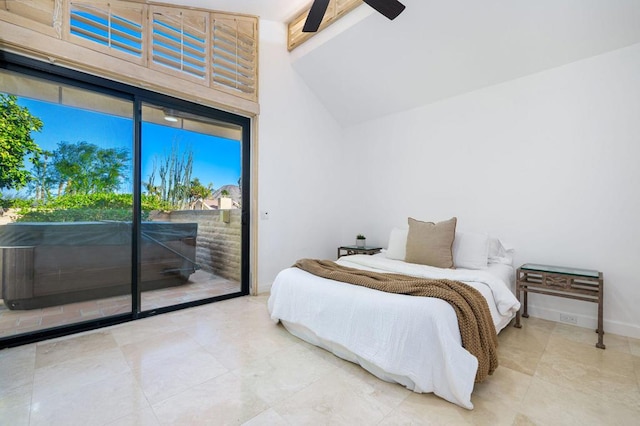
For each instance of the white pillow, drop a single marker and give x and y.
(397, 248)
(470, 250)
(498, 253)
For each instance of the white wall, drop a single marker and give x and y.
(299, 161)
(548, 163)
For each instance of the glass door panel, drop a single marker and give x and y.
(66, 195)
(191, 229)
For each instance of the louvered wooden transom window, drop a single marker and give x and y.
(217, 50)
(115, 26)
(234, 53)
(179, 41)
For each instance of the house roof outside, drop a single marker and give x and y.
(211, 203)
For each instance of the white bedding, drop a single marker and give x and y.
(414, 341)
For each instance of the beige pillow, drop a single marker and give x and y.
(430, 243)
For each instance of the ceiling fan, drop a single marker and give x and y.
(389, 8)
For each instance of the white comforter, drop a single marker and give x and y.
(414, 341)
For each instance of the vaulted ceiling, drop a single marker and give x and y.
(371, 67)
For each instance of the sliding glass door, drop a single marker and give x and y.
(191, 231)
(67, 205)
(116, 203)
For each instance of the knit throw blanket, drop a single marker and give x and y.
(474, 319)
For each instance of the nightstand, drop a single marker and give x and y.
(357, 250)
(570, 283)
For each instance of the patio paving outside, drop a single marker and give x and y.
(201, 285)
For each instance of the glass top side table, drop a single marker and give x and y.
(560, 281)
(349, 250)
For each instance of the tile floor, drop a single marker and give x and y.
(227, 363)
(201, 285)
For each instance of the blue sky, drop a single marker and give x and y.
(216, 160)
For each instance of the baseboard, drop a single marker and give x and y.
(265, 287)
(613, 327)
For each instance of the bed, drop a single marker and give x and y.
(414, 341)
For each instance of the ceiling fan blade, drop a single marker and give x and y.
(389, 8)
(314, 19)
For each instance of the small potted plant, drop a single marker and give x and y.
(361, 241)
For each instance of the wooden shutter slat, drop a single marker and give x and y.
(104, 18)
(232, 73)
(92, 35)
(127, 23)
(105, 28)
(224, 31)
(125, 17)
(201, 62)
(189, 23)
(108, 42)
(233, 59)
(77, 8)
(233, 84)
(233, 49)
(227, 33)
(231, 67)
(232, 76)
(177, 46)
(178, 66)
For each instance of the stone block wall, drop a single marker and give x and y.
(219, 245)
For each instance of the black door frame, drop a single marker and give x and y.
(138, 96)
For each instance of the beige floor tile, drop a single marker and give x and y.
(490, 412)
(338, 398)
(225, 400)
(165, 376)
(505, 385)
(283, 373)
(584, 353)
(590, 337)
(17, 367)
(15, 415)
(19, 395)
(250, 345)
(78, 372)
(371, 388)
(579, 367)
(143, 417)
(634, 346)
(521, 349)
(202, 317)
(425, 409)
(551, 404)
(538, 324)
(138, 331)
(496, 402)
(165, 346)
(269, 417)
(522, 420)
(327, 356)
(94, 403)
(15, 404)
(228, 363)
(66, 348)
